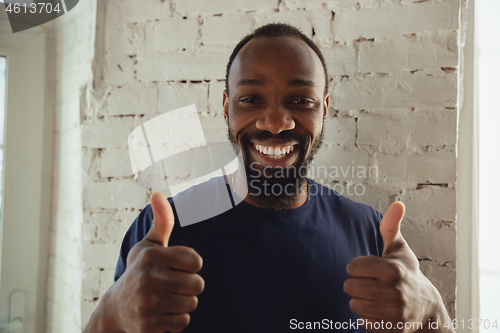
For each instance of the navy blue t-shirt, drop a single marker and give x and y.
(273, 270)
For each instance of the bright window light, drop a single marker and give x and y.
(488, 52)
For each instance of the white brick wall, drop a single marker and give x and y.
(393, 67)
(72, 43)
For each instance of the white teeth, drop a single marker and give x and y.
(274, 152)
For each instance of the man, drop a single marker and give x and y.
(304, 258)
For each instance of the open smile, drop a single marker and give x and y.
(275, 155)
(274, 152)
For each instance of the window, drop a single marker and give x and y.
(488, 60)
(3, 87)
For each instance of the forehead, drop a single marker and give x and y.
(271, 58)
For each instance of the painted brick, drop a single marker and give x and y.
(107, 226)
(434, 167)
(433, 49)
(114, 195)
(340, 130)
(338, 163)
(395, 126)
(426, 240)
(195, 7)
(215, 93)
(413, 52)
(396, 20)
(107, 133)
(119, 70)
(214, 128)
(378, 196)
(322, 24)
(186, 66)
(115, 163)
(401, 164)
(124, 40)
(412, 90)
(297, 18)
(176, 95)
(430, 203)
(135, 11)
(214, 29)
(342, 59)
(172, 34)
(383, 56)
(92, 252)
(440, 276)
(132, 99)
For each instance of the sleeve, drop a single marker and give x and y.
(135, 233)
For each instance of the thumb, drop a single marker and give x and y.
(389, 227)
(163, 220)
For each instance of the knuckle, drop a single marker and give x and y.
(354, 305)
(198, 284)
(351, 266)
(192, 304)
(193, 256)
(347, 286)
(180, 322)
(396, 294)
(143, 283)
(395, 271)
(147, 256)
(146, 322)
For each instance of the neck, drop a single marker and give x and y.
(238, 184)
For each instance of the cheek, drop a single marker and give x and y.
(238, 121)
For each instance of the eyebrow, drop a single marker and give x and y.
(250, 82)
(301, 83)
(291, 83)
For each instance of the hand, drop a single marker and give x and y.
(159, 287)
(391, 288)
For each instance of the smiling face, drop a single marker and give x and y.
(275, 110)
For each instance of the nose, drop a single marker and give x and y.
(275, 119)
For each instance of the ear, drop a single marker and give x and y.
(225, 105)
(326, 104)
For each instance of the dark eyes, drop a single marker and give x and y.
(293, 101)
(250, 100)
(301, 101)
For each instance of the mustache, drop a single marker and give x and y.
(260, 135)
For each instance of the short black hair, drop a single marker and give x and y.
(276, 30)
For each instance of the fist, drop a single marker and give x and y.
(159, 287)
(390, 293)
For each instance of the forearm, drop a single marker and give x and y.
(102, 320)
(437, 321)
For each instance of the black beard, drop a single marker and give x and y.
(276, 188)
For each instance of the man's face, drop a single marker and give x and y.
(276, 105)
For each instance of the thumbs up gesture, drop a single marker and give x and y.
(390, 293)
(159, 286)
